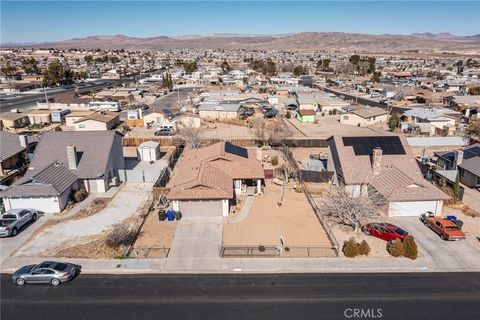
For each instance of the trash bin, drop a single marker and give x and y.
(162, 215)
(170, 215)
(178, 215)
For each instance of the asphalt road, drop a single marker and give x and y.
(286, 296)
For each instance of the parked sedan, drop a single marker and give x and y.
(384, 231)
(45, 272)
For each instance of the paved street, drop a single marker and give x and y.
(313, 296)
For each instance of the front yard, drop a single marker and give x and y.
(295, 221)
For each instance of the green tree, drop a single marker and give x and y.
(354, 59)
(270, 68)
(474, 91)
(371, 64)
(300, 70)
(55, 73)
(88, 59)
(190, 67)
(225, 66)
(394, 121)
(8, 70)
(30, 65)
(456, 187)
(459, 65)
(376, 76)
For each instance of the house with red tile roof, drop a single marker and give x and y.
(207, 180)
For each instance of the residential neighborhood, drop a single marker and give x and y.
(239, 155)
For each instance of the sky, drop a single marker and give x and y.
(43, 21)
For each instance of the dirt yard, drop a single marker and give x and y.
(300, 154)
(155, 238)
(295, 221)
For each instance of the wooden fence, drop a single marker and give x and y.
(316, 176)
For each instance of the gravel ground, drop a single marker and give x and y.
(295, 221)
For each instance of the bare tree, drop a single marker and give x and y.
(279, 132)
(191, 135)
(260, 130)
(344, 208)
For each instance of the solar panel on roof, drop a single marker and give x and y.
(236, 150)
(471, 153)
(363, 146)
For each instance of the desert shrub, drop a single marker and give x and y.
(396, 248)
(121, 234)
(350, 248)
(261, 248)
(288, 115)
(80, 195)
(274, 161)
(410, 248)
(330, 112)
(364, 248)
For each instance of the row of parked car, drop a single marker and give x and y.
(449, 228)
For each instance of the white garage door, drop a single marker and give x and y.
(191, 209)
(411, 208)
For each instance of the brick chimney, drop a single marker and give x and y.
(72, 157)
(376, 160)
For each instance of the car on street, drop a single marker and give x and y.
(51, 272)
(13, 220)
(384, 231)
(447, 229)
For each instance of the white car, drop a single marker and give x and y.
(12, 220)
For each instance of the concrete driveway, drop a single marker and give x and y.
(125, 204)
(196, 244)
(446, 255)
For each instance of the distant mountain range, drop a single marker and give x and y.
(330, 41)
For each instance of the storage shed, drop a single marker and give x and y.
(148, 151)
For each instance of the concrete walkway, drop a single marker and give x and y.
(196, 240)
(247, 205)
(125, 204)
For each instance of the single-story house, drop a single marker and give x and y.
(64, 161)
(72, 101)
(39, 116)
(74, 116)
(155, 116)
(428, 119)
(466, 161)
(148, 151)
(98, 121)
(387, 165)
(206, 181)
(306, 115)
(218, 111)
(364, 116)
(14, 120)
(13, 151)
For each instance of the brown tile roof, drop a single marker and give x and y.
(369, 112)
(399, 179)
(99, 117)
(208, 173)
(307, 112)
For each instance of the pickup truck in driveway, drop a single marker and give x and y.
(12, 220)
(447, 229)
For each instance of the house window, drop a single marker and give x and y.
(345, 117)
(82, 126)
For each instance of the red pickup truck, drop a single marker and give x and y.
(447, 229)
